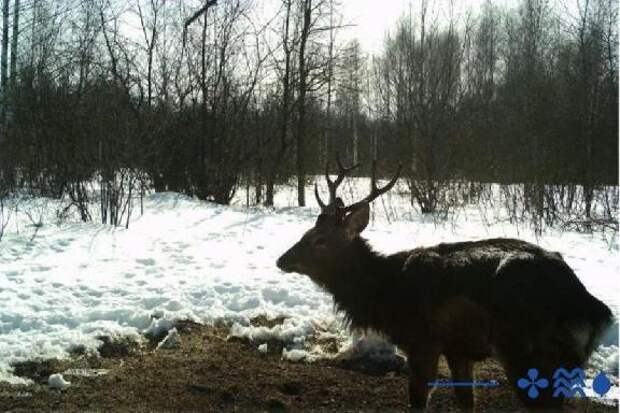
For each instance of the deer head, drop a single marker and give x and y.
(322, 249)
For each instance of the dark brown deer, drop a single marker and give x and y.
(504, 298)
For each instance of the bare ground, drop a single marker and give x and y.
(207, 372)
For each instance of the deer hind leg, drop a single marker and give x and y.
(422, 362)
(462, 371)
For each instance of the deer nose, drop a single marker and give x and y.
(289, 261)
(281, 263)
(284, 262)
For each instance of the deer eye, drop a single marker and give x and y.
(320, 242)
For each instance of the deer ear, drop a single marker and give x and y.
(356, 221)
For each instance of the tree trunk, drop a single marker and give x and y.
(355, 138)
(301, 121)
(284, 112)
(4, 61)
(14, 43)
(330, 78)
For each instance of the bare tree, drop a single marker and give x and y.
(521, 95)
(349, 94)
(4, 56)
(150, 33)
(330, 82)
(285, 76)
(302, 90)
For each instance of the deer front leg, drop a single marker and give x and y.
(422, 370)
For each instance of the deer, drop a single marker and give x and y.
(468, 301)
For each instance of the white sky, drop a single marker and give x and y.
(371, 19)
(374, 18)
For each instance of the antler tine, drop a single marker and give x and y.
(342, 170)
(318, 197)
(375, 192)
(342, 173)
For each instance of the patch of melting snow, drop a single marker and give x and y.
(291, 330)
(297, 355)
(159, 325)
(57, 381)
(172, 340)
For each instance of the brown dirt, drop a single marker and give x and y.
(210, 373)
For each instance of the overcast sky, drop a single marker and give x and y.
(374, 18)
(370, 20)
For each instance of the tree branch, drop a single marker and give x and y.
(196, 15)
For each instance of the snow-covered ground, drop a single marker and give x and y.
(62, 285)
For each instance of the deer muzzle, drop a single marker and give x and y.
(288, 262)
(284, 264)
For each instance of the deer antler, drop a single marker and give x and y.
(375, 192)
(334, 202)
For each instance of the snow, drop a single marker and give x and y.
(63, 284)
(172, 340)
(263, 348)
(56, 381)
(369, 345)
(159, 325)
(289, 331)
(296, 355)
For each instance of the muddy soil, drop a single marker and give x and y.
(208, 372)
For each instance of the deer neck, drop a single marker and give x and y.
(362, 277)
